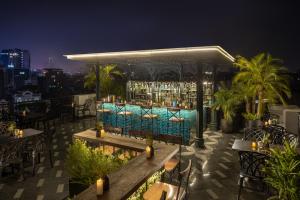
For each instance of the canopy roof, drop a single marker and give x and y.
(147, 63)
(195, 53)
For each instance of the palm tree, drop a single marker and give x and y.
(263, 77)
(109, 77)
(226, 100)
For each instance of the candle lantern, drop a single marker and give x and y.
(102, 133)
(253, 144)
(16, 132)
(98, 129)
(266, 123)
(149, 152)
(99, 187)
(269, 121)
(24, 113)
(21, 133)
(106, 183)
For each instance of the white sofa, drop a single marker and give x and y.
(288, 117)
(278, 111)
(81, 98)
(291, 120)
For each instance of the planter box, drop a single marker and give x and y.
(76, 188)
(253, 124)
(226, 126)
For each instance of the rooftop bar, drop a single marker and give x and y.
(182, 79)
(126, 180)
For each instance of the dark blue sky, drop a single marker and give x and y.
(53, 28)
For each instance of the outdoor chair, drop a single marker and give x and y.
(276, 133)
(136, 134)
(84, 108)
(10, 156)
(114, 130)
(173, 192)
(37, 145)
(3, 128)
(291, 138)
(251, 165)
(174, 163)
(148, 119)
(253, 134)
(4, 115)
(175, 121)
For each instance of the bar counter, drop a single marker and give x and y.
(161, 124)
(131, 176)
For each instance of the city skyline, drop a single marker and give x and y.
(51, 29)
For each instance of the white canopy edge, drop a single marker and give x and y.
(151, 52)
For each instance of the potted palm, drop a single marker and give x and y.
(283, 172)
(252, 120)
(227, 101)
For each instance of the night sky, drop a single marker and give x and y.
(245, 27)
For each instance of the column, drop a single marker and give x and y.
(98, 96)
(213, 120)
(199, 141)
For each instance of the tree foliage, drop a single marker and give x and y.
(111, 80)
(263, 78)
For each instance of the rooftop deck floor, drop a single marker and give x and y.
(214, 175)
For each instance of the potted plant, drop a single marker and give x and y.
(283, 172)
(252, 120)
(77, 164)
(85, 165)
(266, 140)
(227, 101)
(11, 126)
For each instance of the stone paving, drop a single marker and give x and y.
(214, 174)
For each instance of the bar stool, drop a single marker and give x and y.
(174, 118)
(173, 192)
(105, 115)
(174, 163)
(121, 111)
(147, 116)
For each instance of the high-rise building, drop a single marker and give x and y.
(16, 63)
(21, 75)
(52, 80)
(15, 58)
(3, 82)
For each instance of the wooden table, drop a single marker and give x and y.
(243, 145)
(131, 176)
(30, 119)
(27, 133)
